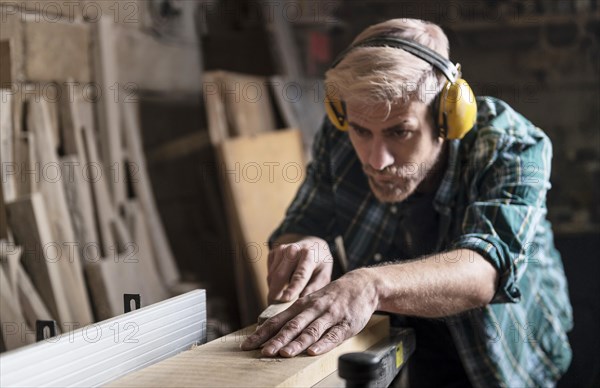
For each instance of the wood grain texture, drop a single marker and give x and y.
(222, 363)
(261, 176)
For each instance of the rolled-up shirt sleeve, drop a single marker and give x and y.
(507, 202)
(311, 213)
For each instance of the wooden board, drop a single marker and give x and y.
(9, 167)
(222, 363)
(143, 191)
(12, 323)
(269, 169)
(104, 211)
(237, 105)
(60, 223)
(29, 222)
(109, 115)
(32, 304)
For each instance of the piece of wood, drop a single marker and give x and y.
(143, 191)
(12, 323)
(32, 304)
(104, 211)
(215, 107)
(51, 187)
(35, 42)
(222, 363)
(237, 105)
(27, 167)
(108, 107)
(10, 256)
(272, 310)
(28, 219)
(152, 287)
(3, 220)
(261, 176)
(79, 203)
(9, 167)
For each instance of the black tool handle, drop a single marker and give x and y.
(359, 369)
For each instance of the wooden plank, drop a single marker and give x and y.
(215, 107)
(175, 67)
(9, 168)
(32, 304)
(12, 323)
(10, 256)
(248, 107)
(222, 363)
(265, 169)
(28, 219)
(152, 287)
(104, 211)
(60, 223)
(44, 39)
(79, 202)
(3, 220)
(143, 191)
(109, 115)
(27, 178)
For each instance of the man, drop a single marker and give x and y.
(447, 232)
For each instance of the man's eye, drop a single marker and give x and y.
(360, 131)
(401, 133)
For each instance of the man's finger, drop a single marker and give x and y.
(288, 332)
(300, 277)
(334, 337)
(280, 276)
(268, 329)
(311, 334)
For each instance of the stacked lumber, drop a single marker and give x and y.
(79, 226)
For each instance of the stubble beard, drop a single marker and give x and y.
(396, 183)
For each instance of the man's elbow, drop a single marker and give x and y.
(486, 281)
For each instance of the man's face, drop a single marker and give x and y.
(398, 152)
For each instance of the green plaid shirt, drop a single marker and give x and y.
(492, 200)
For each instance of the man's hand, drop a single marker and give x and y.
(298, 268)
(320, 321)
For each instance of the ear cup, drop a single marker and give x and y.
(336, 111)
(457, 109)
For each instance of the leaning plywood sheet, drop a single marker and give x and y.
(221, 363)
(263, 174)
(99, 353)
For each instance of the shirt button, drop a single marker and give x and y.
(394, 209)
(377, 257)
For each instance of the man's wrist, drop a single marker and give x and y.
(367, 279)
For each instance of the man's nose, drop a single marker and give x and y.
(380, 156)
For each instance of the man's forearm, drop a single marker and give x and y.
(435, 286)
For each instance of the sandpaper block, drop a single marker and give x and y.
(272, 310)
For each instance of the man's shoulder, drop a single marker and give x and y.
(497, 121)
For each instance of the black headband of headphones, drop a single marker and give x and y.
(450, 71)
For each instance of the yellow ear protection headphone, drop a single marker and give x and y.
(455, 105)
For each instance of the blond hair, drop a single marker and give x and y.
(386, 74)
